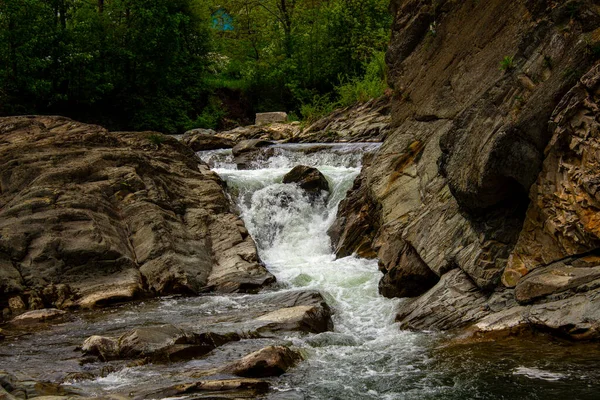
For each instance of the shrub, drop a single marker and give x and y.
(156, 139)
(507, 63)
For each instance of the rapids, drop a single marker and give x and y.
(366, 356)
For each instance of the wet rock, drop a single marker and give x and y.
(408, 275)
(546, 281)
(37, 316)
(269, 361)
(454, 302)
(310, 179)
(103, 347)
(247, 151)
(270, 117)
(299, 318)
(165, 343)
(237, 267)
(201, 141)
(91, 218)
(356, 224)
(242, 388)
(78, 376)
(576, 317)
(304, 311)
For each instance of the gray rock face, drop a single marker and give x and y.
(451, 186)
(310, 179)
(89, 218)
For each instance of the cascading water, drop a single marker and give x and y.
(293, 242)
(366, 356)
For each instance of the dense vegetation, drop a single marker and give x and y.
(170, 65)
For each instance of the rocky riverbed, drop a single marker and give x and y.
(438, 243)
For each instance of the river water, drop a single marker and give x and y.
(366, 356)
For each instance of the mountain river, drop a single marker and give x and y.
(366, 356)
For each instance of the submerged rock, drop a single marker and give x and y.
(269, 361)
(310, 179)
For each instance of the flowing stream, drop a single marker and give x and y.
(366, 350)
(366, 356)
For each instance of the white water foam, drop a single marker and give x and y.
(535, 373)
(366, 349)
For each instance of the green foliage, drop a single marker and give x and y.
(507, 63)
(159, 64)
(210, 116)
(156, 139)
(135, 64)
(371, 85)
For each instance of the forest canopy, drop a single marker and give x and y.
(172, 65)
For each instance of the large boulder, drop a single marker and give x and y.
(310, 179)
(90, 217)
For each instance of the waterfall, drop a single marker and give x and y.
(293, 242)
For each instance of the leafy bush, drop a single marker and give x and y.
(507, 63)
(156, 139)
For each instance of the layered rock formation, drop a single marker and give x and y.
(89, 217)
(486, 95)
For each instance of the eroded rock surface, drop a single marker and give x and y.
(90, 217)
(456, 187)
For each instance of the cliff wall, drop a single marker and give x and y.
(483, 198)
